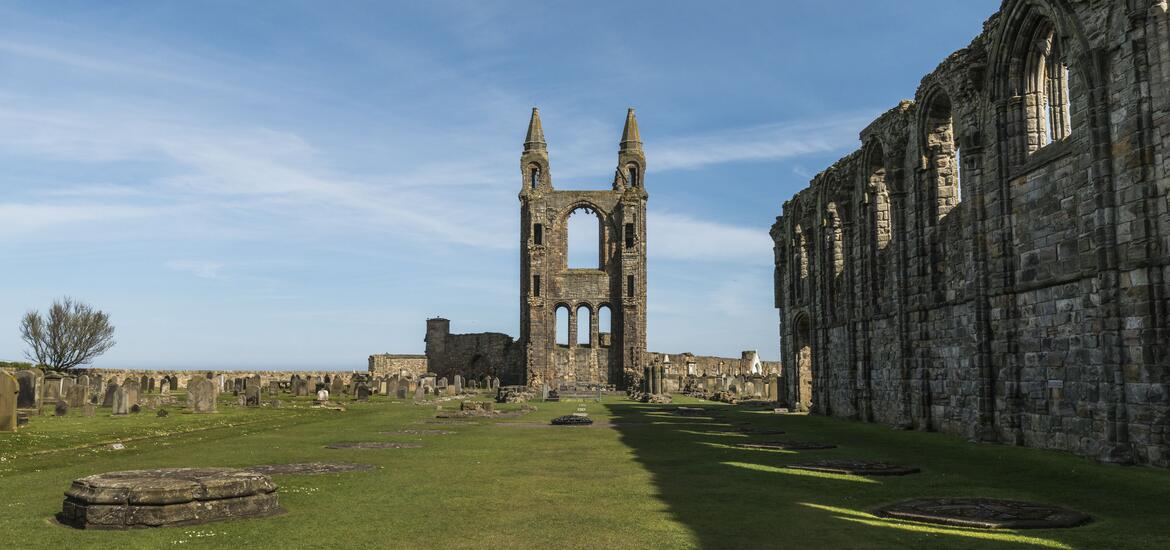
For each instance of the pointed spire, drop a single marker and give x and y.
(535, 138)
(630, 137)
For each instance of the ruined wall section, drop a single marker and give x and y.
(388, 364)
(993, 262)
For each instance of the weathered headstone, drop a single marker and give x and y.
(201, 396)
(75, 395)
(322, 395)
(132, 388)
(420, 393)
(61, 408)
(9, 394)
(88, 410)
(401, 393)
(121, 401)
(29, 397)
(108, 397)
(458, 384)
(337, 386)
(362, 393)
(252, 395)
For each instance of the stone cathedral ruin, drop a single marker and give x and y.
(605, 354)
(993, 262)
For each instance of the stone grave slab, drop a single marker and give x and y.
(572, 420)
(984, 513)
(373, 445)
(855, 467)
(167, 496)
(309, 468)
(788, 445)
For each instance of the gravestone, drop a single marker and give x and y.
(132, 388)
(83, 381)
(121, 401)
(201, 396)
(88, 410)
(75, 396)
(362, 393)
(458, 384)
(392, 390)
(441, 383)
(108, 397)
(29, 397)
(337, 387)
(420, 393)
(61, 408)
(174, 383)
(9, 395)
(252, 395)
(50, 389)
(322, 395)
(401, 393)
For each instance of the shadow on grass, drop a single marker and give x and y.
(731, 497)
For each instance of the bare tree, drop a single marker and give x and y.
(72, 334)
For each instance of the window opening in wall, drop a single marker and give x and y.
(584, 239)
(538, 234)
(629, 235)
(536, 285)
(604, 326)
(958, 174)
(583, 319)
(562, 322)
(630, 286)
(633, 169)
(535, 176)
(1047, 88)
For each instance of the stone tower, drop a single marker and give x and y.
(618, 283)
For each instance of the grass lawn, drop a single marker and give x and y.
(655, 480)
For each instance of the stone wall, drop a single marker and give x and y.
(993, 262)
(472, 355)
(387, 364)
(689, 364)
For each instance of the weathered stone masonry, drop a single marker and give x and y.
(993, 262)
(548, 283)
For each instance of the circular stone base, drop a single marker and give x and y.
(168, 496)
(570, 420)
(984, 513)
(309, 468)
(855, 467)
(788, 445)
(373, 445)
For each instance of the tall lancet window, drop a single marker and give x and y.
(633, 169)
(535, 175)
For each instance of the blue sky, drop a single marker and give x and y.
(301, 184)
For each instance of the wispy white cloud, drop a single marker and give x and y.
(682, 237)
(756, 143)
(202, 269)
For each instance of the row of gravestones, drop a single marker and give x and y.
(32, 389)
(17, 390)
